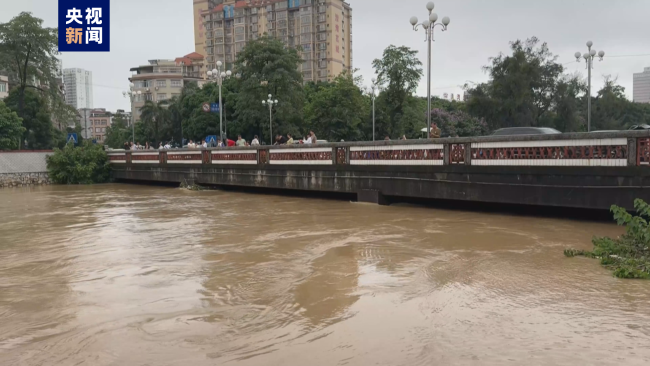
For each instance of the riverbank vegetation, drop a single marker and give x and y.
(85, 164)
(629, 255)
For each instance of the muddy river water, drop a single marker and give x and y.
(135, 275)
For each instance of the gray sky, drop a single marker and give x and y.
(148, 29)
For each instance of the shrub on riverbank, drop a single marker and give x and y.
(85, 164)
(628, 255)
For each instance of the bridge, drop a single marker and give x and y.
(583, 170)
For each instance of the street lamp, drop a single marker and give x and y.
(428, 26)
(131, 94)
(589, 59)
(270, 102)
(219, 76)
(373, 88)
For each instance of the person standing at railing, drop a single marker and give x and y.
(204, 144)
(290, 139)
(240, 141)
(255, 142)
(435, 131)
(313, 137)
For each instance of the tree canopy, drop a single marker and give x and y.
(11, 129)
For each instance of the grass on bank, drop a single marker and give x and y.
(628, 255)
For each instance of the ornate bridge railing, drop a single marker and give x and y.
(617, 149)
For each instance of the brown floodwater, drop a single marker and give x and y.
(137, 275)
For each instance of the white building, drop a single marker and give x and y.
(78, 88)
(4, 87)
(641, 86)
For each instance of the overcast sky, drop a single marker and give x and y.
(149, 29)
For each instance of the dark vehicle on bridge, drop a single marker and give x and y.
(513, 131)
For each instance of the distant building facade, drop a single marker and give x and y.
(78, 84)
(4, 87)
(320, 29)
(641, 86)
(164, 79)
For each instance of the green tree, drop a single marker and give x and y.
(36, 118)
(337, 110)
(398, 73)
(267, 66)
(521, 88)
(458, 123)
(156, 122)
(28, 54)
(11, 128)
(118, 132)
(86, 164)
(611, 110)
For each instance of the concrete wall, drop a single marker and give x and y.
(23, 168)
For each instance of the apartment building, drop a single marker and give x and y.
(320, 29)
(99, 120)
(641, 86)
(78, 84)
(161, 80)
(4, 87)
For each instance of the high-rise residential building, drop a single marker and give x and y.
(320, 29)
(641, 86)
(164, 79)
(78, 88)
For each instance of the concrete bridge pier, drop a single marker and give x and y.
(371, 196)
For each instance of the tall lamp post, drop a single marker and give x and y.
(131, 94)
(219, 76)
(589, 57)
(270, 102)
(373, 89)
(428, 26)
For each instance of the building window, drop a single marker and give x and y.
(148, 97)
(254, 19)
(239, 46)
(240, 30)
(177, 83)
(305, 20)
(103, 129)
(98, 130)
(306, 47)
(176, 95)
(3, 87)
(219, 49)
(161, 83)
(254, 11)
(281, 15)
(281, 5)
(239, 21)
(162, 96)
(218, 33)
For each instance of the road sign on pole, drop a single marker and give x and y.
(214, 107)
(211, 138)
(206, 107)
(72, 137)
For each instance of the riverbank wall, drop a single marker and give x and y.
(23, 168)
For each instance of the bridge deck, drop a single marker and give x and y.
(593, 170)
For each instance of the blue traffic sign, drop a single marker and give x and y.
(72, 137)
(211, 138)
(214, 107)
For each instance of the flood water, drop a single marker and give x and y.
(137, 275)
